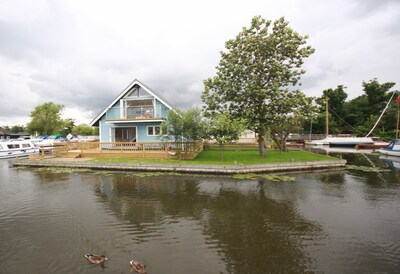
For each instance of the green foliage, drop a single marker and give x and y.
(255, 73)
(184, 126)
(67, 126)
(358, 115)
(64, 170)
(154, 174)
(269, 177)
(367, 169)
(46, 119)
(377, 95)
(83, 130)
(17, 129)
(224, 129)
(283, 124)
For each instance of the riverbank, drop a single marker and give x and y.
(183, 168)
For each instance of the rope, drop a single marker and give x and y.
(384, 110)
(331, 110)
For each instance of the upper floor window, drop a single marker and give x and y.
(137, 91)
(153, 130)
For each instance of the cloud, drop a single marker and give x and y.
(83, 54)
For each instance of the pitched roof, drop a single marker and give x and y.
(3, 131)
(95, 121)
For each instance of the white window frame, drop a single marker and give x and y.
(154, 131)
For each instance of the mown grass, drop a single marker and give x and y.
(231, 157)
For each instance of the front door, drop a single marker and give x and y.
(125, 134)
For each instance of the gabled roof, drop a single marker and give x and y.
(125, 91)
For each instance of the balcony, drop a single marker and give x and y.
(134, 113)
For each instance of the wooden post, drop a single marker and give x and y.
(143, 150)
(326, 116)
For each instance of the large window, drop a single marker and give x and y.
(124, 134)
(153, 130)
(139, 108)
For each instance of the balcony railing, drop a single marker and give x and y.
(134, 113)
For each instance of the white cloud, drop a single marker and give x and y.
(84, 53)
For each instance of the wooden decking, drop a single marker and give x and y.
(153, 150)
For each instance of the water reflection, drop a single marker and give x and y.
(247, 226)
(334, 222)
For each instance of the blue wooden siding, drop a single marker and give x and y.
(141, 130)
(142, 133)
(104, 130)
(114, 112)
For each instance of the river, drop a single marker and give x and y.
(344, 221)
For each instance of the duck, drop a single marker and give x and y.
(138, 267)
(96, 259)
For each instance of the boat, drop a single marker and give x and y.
(375, 145)
(393, 149)
(392, 161)
(357, 142)
(342, 141)
(16, 148)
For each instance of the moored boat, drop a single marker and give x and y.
(393, 149)
(14, 148)
(342, 141)
(375, 145)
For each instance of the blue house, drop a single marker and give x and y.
(134, 116)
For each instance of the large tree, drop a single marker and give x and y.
(255, 73)
(46, 119)
(336, 101)
(377, 95)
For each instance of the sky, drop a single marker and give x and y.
(84, 53)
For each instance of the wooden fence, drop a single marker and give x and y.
(155, 150)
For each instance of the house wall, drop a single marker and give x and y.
(141, 130)
(114, 112)
(161, 107)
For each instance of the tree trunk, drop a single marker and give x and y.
(281, 144)
(221, 152)
(284, 142)
(261, 143)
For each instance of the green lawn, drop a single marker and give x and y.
(231, 157)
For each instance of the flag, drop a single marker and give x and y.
(398, 100)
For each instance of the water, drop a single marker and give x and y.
(324, 222)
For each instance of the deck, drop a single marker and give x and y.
(143, 150)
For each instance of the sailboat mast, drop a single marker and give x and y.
(326, 116)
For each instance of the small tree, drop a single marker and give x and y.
(224, 130)
(183, 126)
(67, 126)
(46, 119)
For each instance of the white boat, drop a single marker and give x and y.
(393, 149)
(15, 148)
(342, 141)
